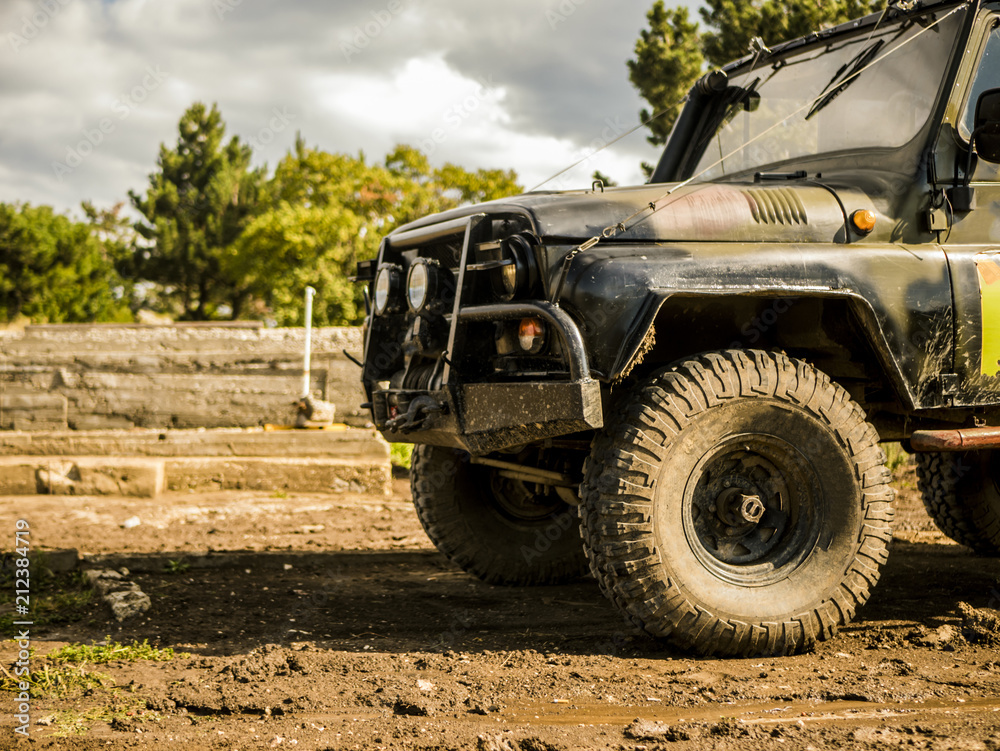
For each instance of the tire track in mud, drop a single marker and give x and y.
(769, 714)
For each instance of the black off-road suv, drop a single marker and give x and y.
(697, 373)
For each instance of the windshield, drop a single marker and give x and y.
(874, 90)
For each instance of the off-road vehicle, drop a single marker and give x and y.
(697, 373)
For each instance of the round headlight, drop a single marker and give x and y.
(424, 285)
(508, 277)
(387, 289)
(518, 274)
(418, 287)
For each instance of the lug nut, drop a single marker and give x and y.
(751, 508)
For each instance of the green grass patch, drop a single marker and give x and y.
(400, 454)
(119, 709)
(98, 654)
(64, 672)
(175, 567)
(896, 457)
(55, 681)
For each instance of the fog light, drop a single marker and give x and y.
(517, 274)
(388, 289)
(531, 336)
(425, 285)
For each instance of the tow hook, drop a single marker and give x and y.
(420, 409)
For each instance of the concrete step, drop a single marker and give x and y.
(144, 463)
(201, 474)
(147, 478)
(354, 443)
(81, 475)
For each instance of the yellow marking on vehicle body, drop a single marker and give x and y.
(989, 288)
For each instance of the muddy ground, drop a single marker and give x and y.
(328, 622)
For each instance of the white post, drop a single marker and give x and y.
(310, 293)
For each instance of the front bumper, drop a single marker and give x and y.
(485, 417)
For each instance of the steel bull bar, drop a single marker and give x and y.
(486, 417)
(482, 418)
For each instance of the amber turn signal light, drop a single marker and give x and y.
(864, 221)
(531, 335)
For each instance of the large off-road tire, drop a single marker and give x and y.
(961, 495)
(693, 456)
(491, 526)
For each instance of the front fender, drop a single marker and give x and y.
(899, 298)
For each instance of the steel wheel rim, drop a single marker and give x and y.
(715, 509)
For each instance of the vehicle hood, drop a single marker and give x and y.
(714, 212)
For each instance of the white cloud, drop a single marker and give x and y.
(549, 93)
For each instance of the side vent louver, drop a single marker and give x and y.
(776, 206)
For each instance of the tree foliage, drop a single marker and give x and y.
(56, 270)
(673, 51)
(218, 238)
(668, 60)
(201, 197)
(323, 212)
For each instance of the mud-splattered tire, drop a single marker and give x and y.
(488, 527)
(960, 493)
(671, 483)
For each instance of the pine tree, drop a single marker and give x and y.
(201, 197)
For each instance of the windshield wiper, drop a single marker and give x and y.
(848, 74)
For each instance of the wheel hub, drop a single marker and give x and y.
(736, 507)
(751, 509)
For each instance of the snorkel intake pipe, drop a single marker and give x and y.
(708, 86)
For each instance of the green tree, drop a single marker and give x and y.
(605, 180)
(673, 51)
(668, 60)
(56, 270)
(201, 197)
(322, 212)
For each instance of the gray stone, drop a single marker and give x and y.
(128, 603)
(124, 598)
(139, 478)
(93, 576)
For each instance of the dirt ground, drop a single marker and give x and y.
(328, 622)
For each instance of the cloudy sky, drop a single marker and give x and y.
(91, 88)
